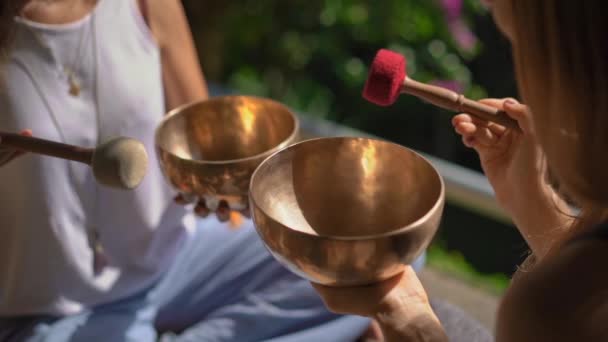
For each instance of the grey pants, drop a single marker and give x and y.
(459, 326)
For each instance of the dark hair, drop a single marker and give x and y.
(8, 10)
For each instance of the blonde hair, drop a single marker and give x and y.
(561, 56)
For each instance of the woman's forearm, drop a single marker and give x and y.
(411, 323)
(541, 219)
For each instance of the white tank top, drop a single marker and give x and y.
(47, 204)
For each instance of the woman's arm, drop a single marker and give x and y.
(562, 299)
(514, 164)
(182, 74)
(399, 305)
(415, 323)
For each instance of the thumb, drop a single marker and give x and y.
(520, 113)
(26, 132)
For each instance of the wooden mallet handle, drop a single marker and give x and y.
(451, 100)
(46, 147)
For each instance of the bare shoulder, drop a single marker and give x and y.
(166, 18)
(561, 299)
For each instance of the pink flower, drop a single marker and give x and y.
(463, 36)
(452, 8)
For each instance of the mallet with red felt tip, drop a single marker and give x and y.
(387, 80)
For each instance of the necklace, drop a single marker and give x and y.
(100, 260)
(68, 69)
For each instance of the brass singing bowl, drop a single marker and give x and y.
(346, 211)
(209, 149)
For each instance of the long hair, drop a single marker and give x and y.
(8, 10)
(561, 57)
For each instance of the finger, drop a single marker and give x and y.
(465, 128)
(223, 211)
(517, 111)
(520, 113)
(482, 134)
(179, 199)
(26, 133)
(469, 142)
(11, 153)
(236, 219)
(496, 103)
(201, 209)
(472, 142)
(183, 199)
(494, 128)
(246, 212)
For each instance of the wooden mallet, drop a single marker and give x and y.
(119, 163)
(388, 79)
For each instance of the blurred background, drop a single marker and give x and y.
(313, 56)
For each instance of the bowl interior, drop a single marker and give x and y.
(226, 128)
(346, 187)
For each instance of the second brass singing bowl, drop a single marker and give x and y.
(346, 211)
(209, 149)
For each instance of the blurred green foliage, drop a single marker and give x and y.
(313, 54)
(453, 263)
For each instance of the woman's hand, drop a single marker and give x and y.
(222, 210)
(507, 157)
(372, 299)
(514, 164)
(399, 305)
(7, 154)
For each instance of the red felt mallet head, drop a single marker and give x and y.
(385, 78)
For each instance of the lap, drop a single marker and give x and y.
(458, 325)
(230, 283)
(224, 282)
(128, 320)
(224, 286)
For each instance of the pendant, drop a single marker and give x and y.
(74, 86)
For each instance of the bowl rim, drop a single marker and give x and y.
(174, 112)
(438, 204)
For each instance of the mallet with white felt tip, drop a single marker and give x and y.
(388, 79)
(119, 163)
